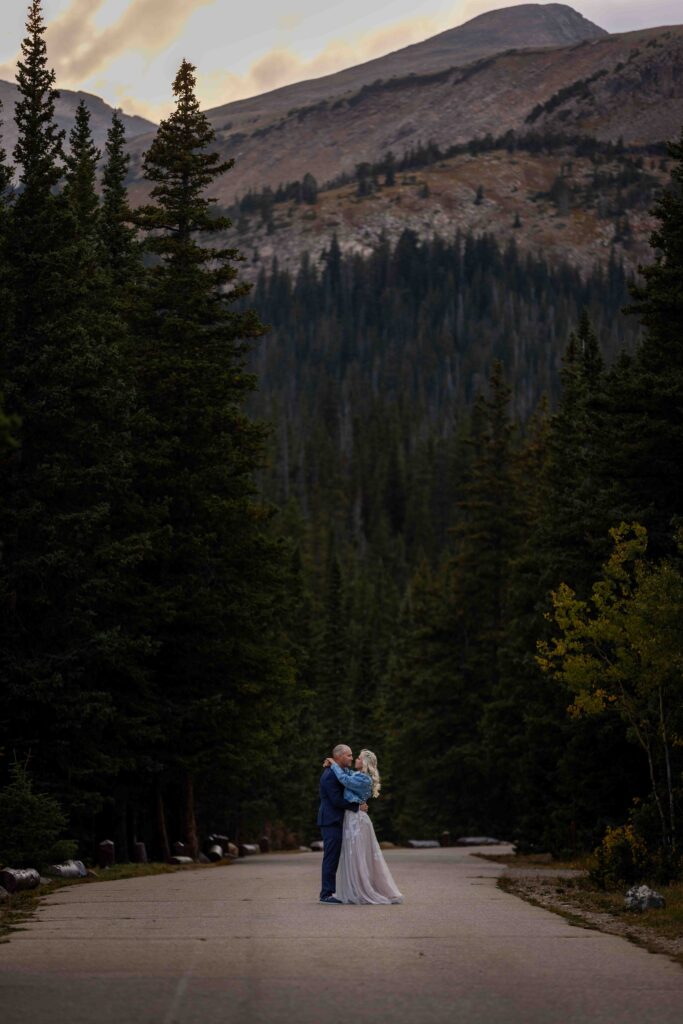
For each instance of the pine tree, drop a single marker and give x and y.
(120, 254)
(38, 154)
(573, 529)
(222, 670)
(488, 528)
(81, 171)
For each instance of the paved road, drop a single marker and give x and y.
(248, 943)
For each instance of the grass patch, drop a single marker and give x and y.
(667, 922)
(23, 906)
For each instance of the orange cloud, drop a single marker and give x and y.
(79, 49)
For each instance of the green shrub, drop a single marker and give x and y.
(622, 858)
(30, 824)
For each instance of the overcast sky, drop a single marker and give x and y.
(128, 50)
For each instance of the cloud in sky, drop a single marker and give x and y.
(128, 50)
(80, 50)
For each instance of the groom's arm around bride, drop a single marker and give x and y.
(331, 820)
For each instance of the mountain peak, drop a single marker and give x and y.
(553, 24)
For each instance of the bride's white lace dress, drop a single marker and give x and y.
(363, 875)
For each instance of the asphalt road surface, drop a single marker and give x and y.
(249, 943)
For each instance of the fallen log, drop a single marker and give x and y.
(19, 879)
(248, 849)
(69, 869)
(477, 841)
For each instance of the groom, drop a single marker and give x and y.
(331, 820)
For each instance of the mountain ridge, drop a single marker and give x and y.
(526, 26)
(65, 111)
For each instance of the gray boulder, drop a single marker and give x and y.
(642, 897)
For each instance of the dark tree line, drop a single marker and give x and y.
(457, 429)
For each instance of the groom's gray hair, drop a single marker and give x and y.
(339, 749)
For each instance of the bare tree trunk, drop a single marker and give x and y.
(161, 823)
(191, 837)
(669, 780)
(655, 793)
(645, 743)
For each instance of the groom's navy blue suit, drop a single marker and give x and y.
(331, 821)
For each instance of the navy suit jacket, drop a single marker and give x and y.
(332, 802)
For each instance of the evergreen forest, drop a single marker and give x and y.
(427, 502)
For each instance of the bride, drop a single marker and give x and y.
(363, 875)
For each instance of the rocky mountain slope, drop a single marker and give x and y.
(628, 86)
(584, 209)
(65, 112)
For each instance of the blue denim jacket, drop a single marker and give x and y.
(357, 785)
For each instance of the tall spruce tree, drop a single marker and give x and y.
(449, 666)
(121, 254)
(222, 671)
(81, 171)
(573, 528)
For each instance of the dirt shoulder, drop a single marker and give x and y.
(577, 900)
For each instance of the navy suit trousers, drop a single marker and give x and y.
(332, 844)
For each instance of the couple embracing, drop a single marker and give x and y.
(354, 869)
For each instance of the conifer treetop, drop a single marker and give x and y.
(117, 235)
(81, 174)
(39, 145)
(180, 165)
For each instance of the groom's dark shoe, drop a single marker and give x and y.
(329, 899)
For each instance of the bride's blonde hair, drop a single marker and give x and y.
(368, 762)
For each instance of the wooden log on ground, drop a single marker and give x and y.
(477, 841)
(19, 879)
(69, 869)
(248, 849)
(181, 860)
(423, 844)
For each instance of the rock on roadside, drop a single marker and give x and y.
(642, 897)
